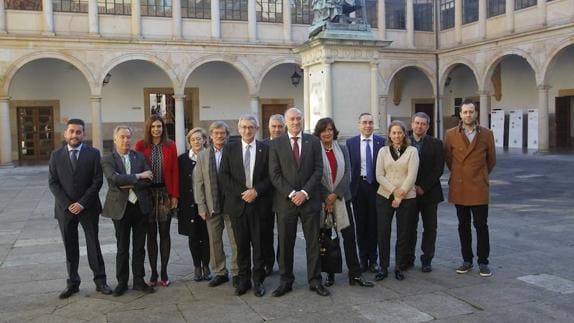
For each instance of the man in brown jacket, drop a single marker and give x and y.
(470, 156)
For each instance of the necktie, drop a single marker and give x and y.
(369, 161)
(74, 159)
(132, 195)
(247, 166)
(296, 150)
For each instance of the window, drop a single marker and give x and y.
(115, 7)
(302, 12)
(371, 9)
(423, 15)
(270, 10)
(70, 5)
(35, 5)
(446, 14)
(521, 4)
(156, 8)
(200, 9)
(469, 11)
(233, 10)
(395, 14)
(495, 8)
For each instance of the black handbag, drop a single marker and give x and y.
(330, 250)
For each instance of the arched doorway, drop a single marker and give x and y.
(459, 83)
(559, 78)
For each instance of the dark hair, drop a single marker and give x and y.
(421, 115)
(364, 114)
(147, 129)
(322, 124)
(468, 101)
(78, 122)
(406, 142)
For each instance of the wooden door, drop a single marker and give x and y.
(427, 108)
(267, 110)
(563, 121)
(35, 133)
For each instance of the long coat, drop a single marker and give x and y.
(470, 163)
(187, 209)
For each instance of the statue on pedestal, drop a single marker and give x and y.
(336, 15)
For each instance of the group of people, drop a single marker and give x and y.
(245, 186)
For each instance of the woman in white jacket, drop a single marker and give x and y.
(396, 171)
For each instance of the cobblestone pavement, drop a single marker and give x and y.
(531, 225)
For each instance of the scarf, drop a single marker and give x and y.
(340, 208)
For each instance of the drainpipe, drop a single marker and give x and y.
(439, 131)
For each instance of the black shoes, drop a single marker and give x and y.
(218, 280)
(330, 281)
(69, 291)
(242, 289)
(426, 268)
(143, 287)
(268, 270)
(373, 267)
(235, 281)
(399, 275)
(258, 290)
(320, 289)
(384, 273)
(104, 289)
(282, 290)
(464, 268)
(120, 290)
(360, 281)
(206, 273)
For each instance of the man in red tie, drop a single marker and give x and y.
(296, 169)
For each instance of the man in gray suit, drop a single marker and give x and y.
(209, 197)
(75, 180)
(128, 203)
(296, 169)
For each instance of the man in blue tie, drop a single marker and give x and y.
(363, 151)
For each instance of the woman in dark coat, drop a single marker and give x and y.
(189, 221)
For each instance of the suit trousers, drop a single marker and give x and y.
(287, 230)
(267, 238)
(247, 230)
(479, 219)
(350, 245)
(428, 214)
(365, 209)
(215, 225)
(404, 215)
(135, 223)
(69, 229)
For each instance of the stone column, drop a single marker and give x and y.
(328, 94)
(136, 19)
(5, 133)
(93, 18)
(543, 140)
(410, 24)
(380, 119)
(215, 20)
(254, 105)
(176, 19)
(484, 108)
(381, 21)
(287, 21)
(510, 16)
(2, 18)
(542, 12)
(306, 105)
(375, 94)
(439, 121)
(97, 138)
(48, 13)
(458, 20)
(252, 20)
(179, 122)
(482, 19)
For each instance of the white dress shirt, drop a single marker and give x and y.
(364, 153)
(299, 142)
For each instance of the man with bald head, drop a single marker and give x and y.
(296, 169)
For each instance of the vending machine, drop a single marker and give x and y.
(532, 142)
(497, 126)
(515, 129)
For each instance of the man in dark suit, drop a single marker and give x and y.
(276, 130)
(245, 184)
(296, 169)
(75, 180)
(429, 190)
(363, 151)
(128, 202)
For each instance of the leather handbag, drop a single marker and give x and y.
(330, 250)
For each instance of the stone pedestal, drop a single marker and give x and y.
(338, 68)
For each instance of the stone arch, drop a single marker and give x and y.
(240, 67)
(19, 63)
(552, 57)
(424, 69)
(165, 67)
(451, 66)
(272, 65)
(484, 83)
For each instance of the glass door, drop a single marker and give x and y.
(35, 133)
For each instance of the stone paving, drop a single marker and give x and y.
(531, 226)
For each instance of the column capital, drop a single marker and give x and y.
(254, 96)
(543, 87)
(5, 98)
(374, 64)
(179, 96)
(95, 98)
(483, 92)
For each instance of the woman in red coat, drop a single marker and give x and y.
(161, 155)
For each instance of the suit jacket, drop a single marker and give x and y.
(268, 198)
(354, 147)
(431, 168)
(204, 180)
(117, 196)
(81, 185)
(342, 190)
(169, 165)
(287, 177)
(470, 163)
(232, 178)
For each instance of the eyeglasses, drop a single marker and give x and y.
(247, 128)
